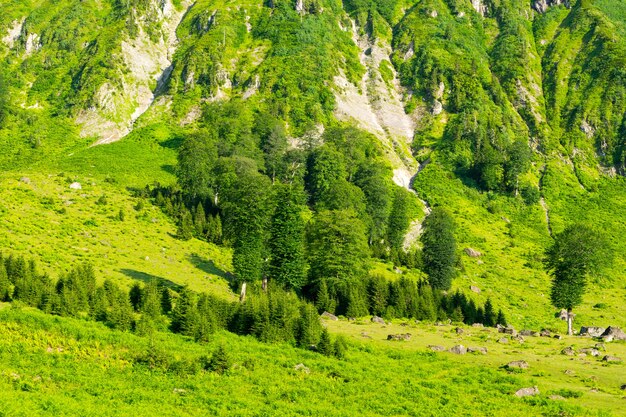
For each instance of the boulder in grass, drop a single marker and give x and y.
(401, 336)
(478, 350)
(503, 340)
(329, 316)
(613, 333)
(378, 320)
(591, 331)
(459, 350)
(458, 330)
(568, 351)
(76, 186)
(517, 365)
(302, 368)
(436, 348)
(25, 180)
(528, 333)
(527, 392)
(609, 358)
(475, 289)
(472, 253)
(545, 333)
(590, 351)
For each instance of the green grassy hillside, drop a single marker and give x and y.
(48, 366)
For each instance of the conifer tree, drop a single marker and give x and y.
(5, 284)
(439, 253)
(185, 225)
(287, 238)
(490, 319)
(309, 328)
(324, 301)
(500, 319)
(325, 346)
(199, 220)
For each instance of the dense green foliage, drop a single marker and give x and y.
(577, 252)
(439, 253)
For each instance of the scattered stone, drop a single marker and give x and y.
(365, 335)
(591, 331)
(179, 391)
(529, 333)
(436, 348)
(503, 340)
(623, 387)
(526, 392)
(600, 346)
(15, 376)
(378, 320)
(458, 330)
(302, 368)
(519, 338)
(25, 180)
(481, 350)
(569, 351)
(459, 350)
(76, 186)
(594, 390)
(544, 333)
(507, 330)
(433, 13)
(590, 351)
(475, 289)
(614, 333)
(557, 336)
(569, 372)
(329, 316)
(472, 253)
(609, 358)
(556, 397)
(401, 336)
(517, 364)
(477, 325)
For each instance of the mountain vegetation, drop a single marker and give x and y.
(180, 175)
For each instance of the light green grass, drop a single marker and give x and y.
(47, 367)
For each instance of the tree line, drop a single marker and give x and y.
(271, 315)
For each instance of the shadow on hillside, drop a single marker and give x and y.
(208, 267)
(170, 169)
(148, 278)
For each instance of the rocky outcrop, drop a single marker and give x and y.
(480, 8)
(541, 6)
(119, 103)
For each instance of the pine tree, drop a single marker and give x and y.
(185, 225)
(325, 346)
(378, 292)
(5, 284)
(501, 320)
(151, 301)
(135, 295)
(457, 315)
(309, 327)
(287, 240)
(324, 302)
(439, 252)
(166, 300)
(199, 220)
(490, 316)
(220, 361)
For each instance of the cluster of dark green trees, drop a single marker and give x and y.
(273, 315)
(406, 299)
(309, 216)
